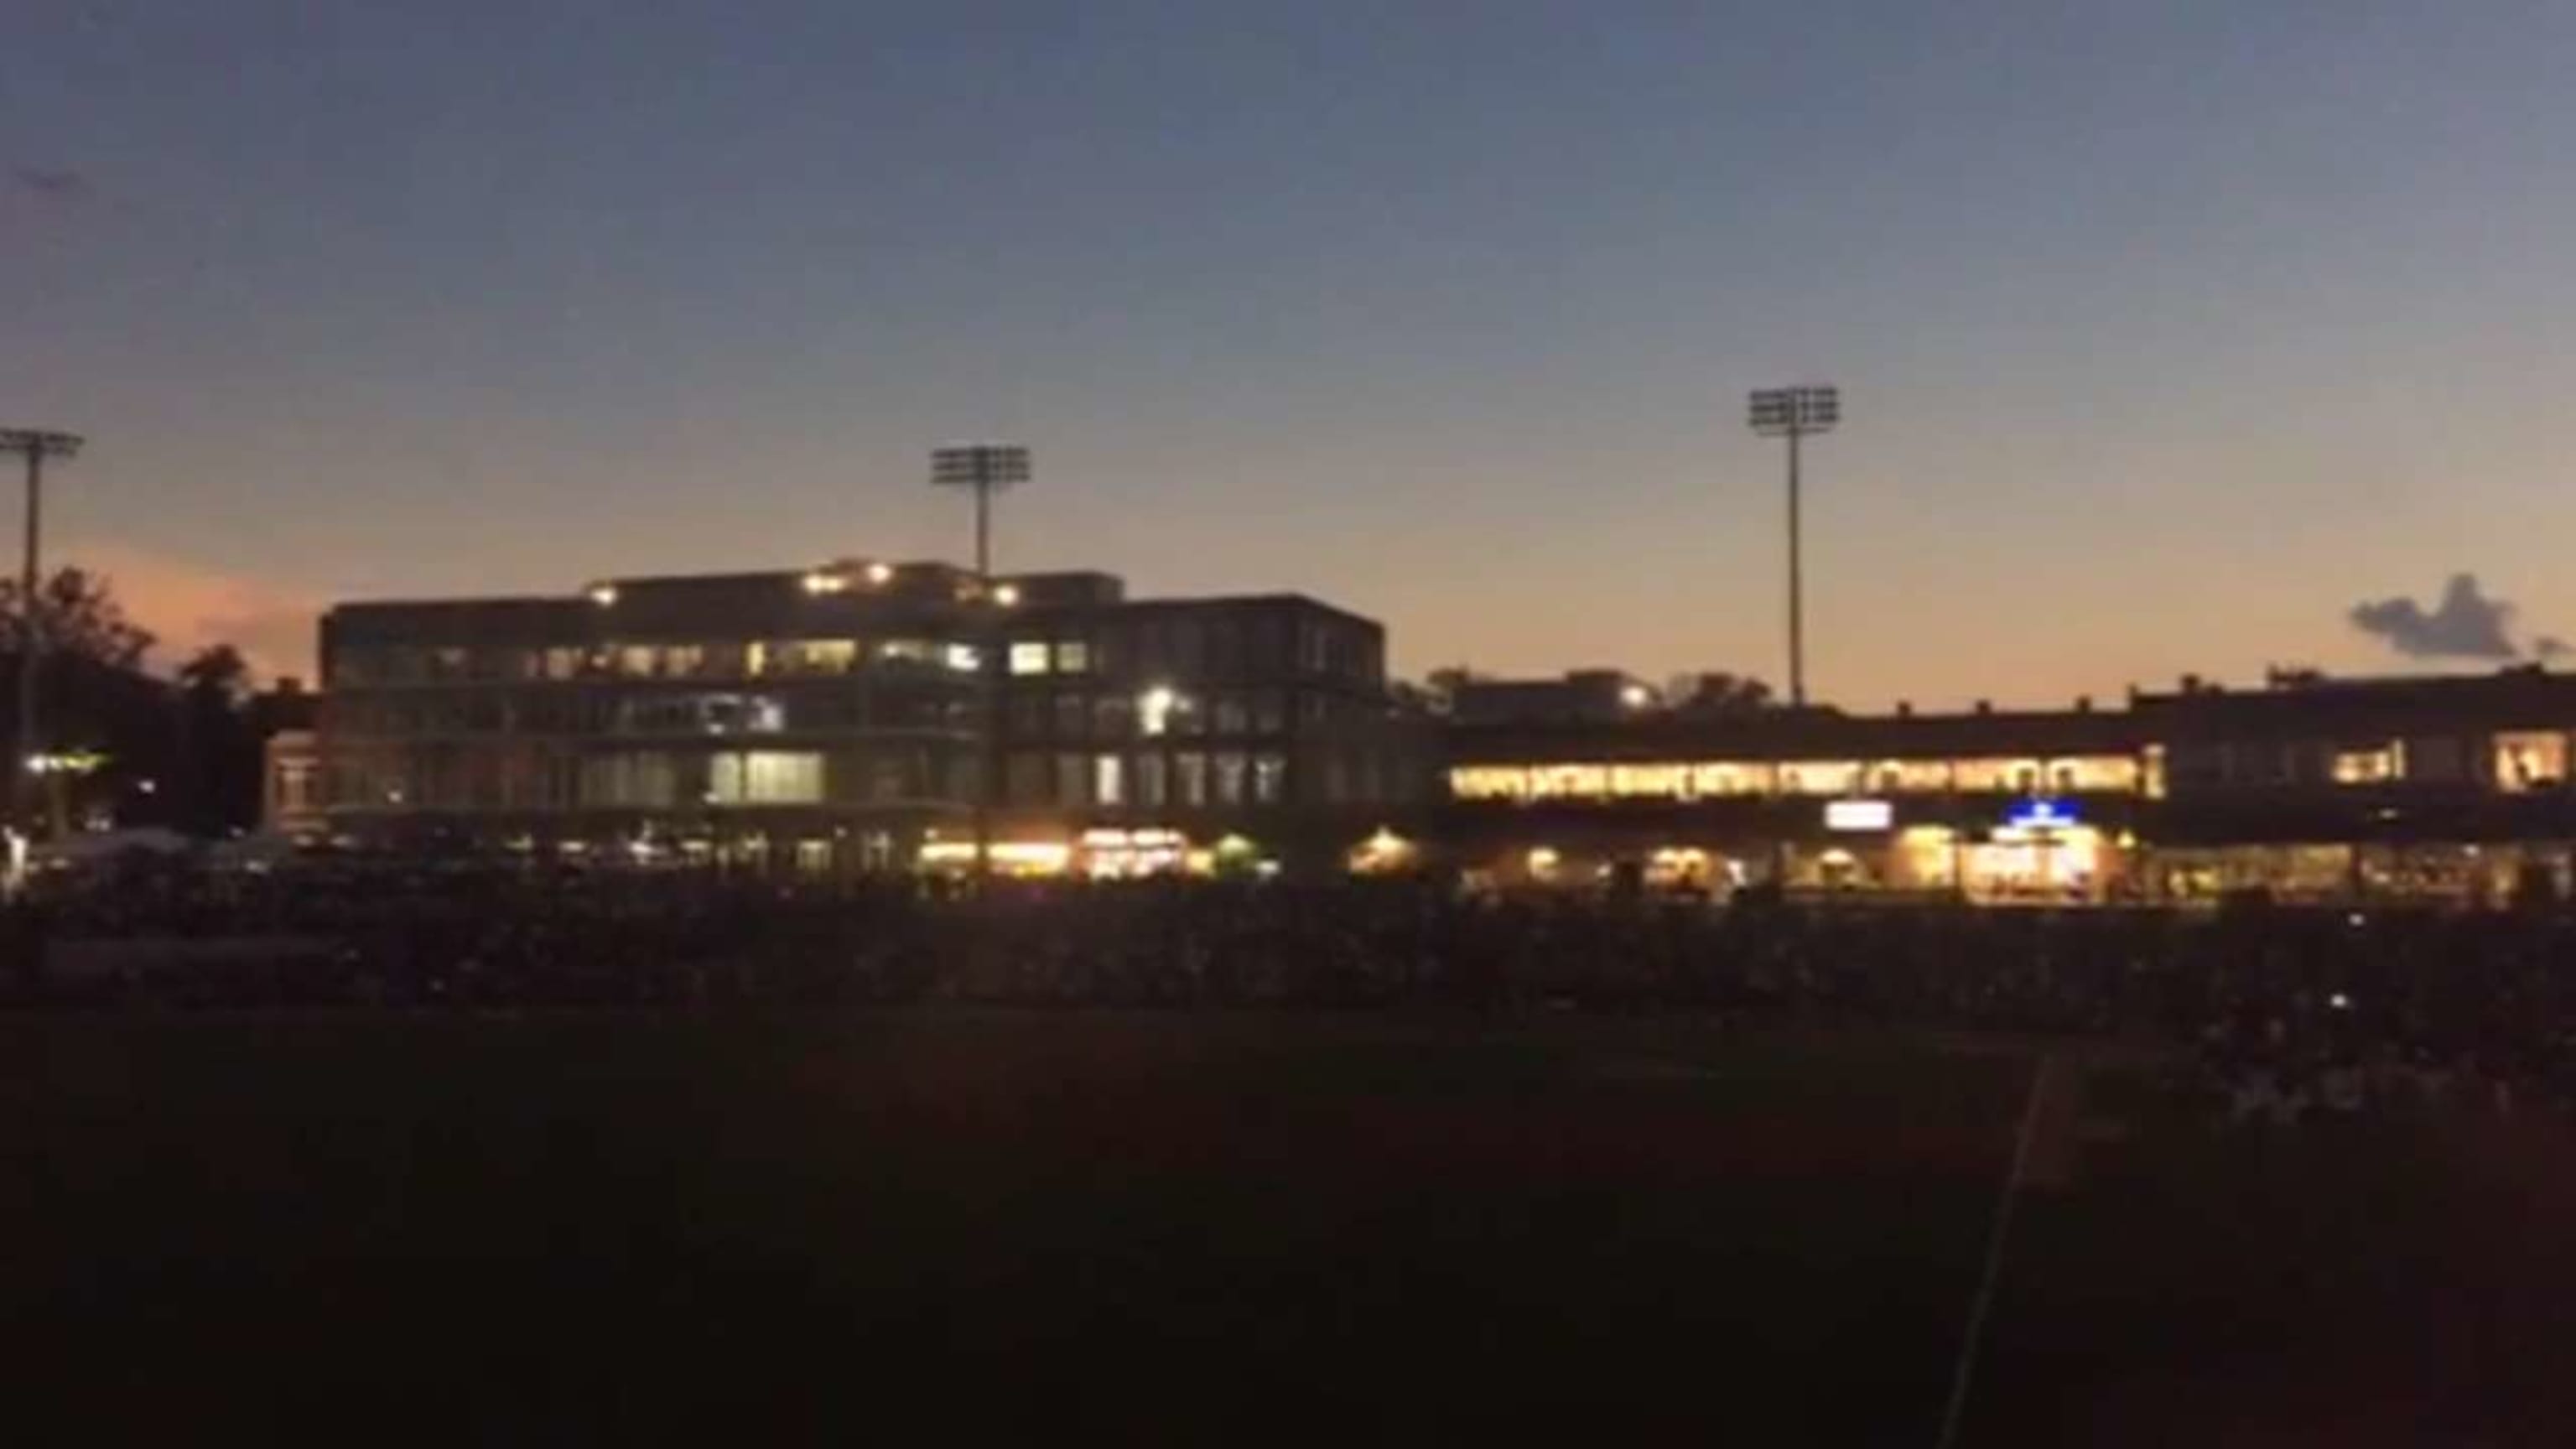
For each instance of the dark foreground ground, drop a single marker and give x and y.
(1186, 1228)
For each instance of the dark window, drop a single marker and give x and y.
(1225, 649)
(1113, 716)
(1027, 782)
(1028, 715)
(1269, 645)
(1147, 785)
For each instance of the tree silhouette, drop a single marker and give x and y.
(217, 671)
(81, 617)
(1717, 693)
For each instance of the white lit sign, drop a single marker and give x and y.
(1859, 815)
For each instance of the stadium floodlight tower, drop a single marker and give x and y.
(35, 445)
(1794, 413)
(987, 468)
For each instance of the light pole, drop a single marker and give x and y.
(1794, 413)
(986, 468)
(35, 445)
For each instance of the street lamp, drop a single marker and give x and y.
(35, 445)
(1794, 413)
(987, 468)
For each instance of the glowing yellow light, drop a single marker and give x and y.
(824, 581)
(1382, 851)
(1542, 861)
(603, 594)
(880, 573)
(1011, 857)
(1007, 595)
(1636, 696)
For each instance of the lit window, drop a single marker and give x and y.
(1650, 781)
(1489, 782)
(1230, 767)
(816, 656)
(1820, 777)
(2095, 774)
(1029, 657)
(2366, 765)
(1910, 777)
(1722, 778)
(965, 658)
(1575, 781)
(1269, 779)
(1108, 780)
(1996, 776)
(766, 777)
(1072, 656)
(2530, 761)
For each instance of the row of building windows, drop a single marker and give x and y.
(381, 664)
(1691, 780)
(435, 778)
(1183, 779)
(2513, 761)
(593, 712)
(1264, 645)
(1118, 715)
(1261, 648)
(449, 778)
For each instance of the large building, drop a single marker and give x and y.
(850, 716)
(2446, 788)
(866, 714)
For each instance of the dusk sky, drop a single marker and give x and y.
(2167, 333)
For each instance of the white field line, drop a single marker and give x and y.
(2041, 1076)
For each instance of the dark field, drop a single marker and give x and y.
(1182, 1227)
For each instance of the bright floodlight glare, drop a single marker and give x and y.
(880, 572)
(1636, 696)
(1006, 595)
(602, 594)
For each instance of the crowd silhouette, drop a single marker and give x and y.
(2293, 1012)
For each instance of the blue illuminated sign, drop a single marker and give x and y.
(2042, 814)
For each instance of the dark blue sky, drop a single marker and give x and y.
(2168, 331)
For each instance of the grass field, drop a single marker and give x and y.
(1176, 1228)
